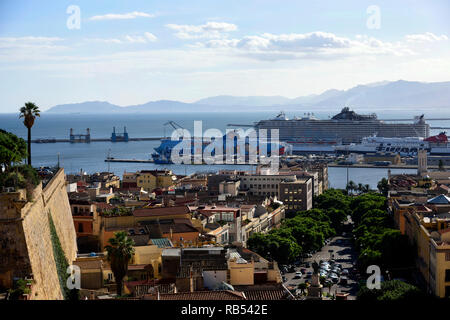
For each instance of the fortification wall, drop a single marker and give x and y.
(29, 241)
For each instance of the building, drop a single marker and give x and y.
(229, 187)
(296, 194)
(149, 180)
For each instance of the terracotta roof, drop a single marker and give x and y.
(271, 291)
(103, 205)
(149, 212)
(197, 295)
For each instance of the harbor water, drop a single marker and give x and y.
(89, 157)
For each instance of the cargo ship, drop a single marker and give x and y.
(163, 152)
(347, 126)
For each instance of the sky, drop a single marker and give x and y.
(127, 53)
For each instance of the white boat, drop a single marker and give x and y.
(409, 146)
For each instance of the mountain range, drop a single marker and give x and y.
(385, 94)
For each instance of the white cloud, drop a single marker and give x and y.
(116, 41)
(425, 37)
(123, 16)
(313, 45)
(30, 42)
(150, 36)
(135, 39)
(210, 29)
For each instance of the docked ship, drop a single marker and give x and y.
(163, 152)
(347, 126)
(313, 145)
(409, 146)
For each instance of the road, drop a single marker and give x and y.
(343, 253)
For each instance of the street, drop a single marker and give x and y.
(343, 254)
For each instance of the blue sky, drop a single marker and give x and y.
(136, 51)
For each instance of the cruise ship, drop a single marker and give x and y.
(347, 126)
(409, 146)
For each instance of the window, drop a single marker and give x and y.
(447, 275)
(80, 227)
(447, 256)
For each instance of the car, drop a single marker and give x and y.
(308, 275)
(299, 273)
(335, 280)
(345, 272)
(332, 262)
(332, 275)
(303, 270)
(307, 265)
(284, 278)
(343, 281)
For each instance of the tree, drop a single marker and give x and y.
(29, 112)
(350, 187)
(393, 290)
(302, 287)
(383, 186)
(12, 149)
(120, 251)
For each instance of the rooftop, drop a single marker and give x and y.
(440, 199)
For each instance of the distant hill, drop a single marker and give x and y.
(375, 95)
(86, 107)
(252, 101)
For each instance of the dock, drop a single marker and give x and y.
(50, 140)
(129, 160)
(372, 166)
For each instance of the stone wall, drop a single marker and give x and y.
(25, 241)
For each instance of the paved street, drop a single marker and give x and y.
(343, 253)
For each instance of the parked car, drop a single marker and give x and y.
(307, 265)
(308, 275)
(303, 270)
(284, 278)
(343, 281)
(298, 275)
(345, 272)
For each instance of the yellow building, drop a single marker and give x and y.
(241, 272)
(146, 180)
(431, 235)
(152, 179)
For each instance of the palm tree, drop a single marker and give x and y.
(360, 188)
(383, 186)
(120, 251)
(29, 112)
(351, 186)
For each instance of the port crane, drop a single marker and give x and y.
(174, 125)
